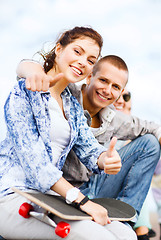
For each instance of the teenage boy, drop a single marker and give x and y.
(139, 157)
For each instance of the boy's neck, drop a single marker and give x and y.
(93, 111)
(96, 123)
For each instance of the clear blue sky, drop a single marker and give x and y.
(130, 28)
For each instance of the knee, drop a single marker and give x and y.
(122, 231)
(152, 144)
(89, 230)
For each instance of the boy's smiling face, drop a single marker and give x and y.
(106, 85)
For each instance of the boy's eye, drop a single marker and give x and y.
(102, 80)
(116, 87)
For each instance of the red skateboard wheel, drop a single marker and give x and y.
(62, 229)
(25, 209)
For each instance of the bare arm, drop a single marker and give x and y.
(36, 78)
(98, 213)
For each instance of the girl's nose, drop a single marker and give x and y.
(82, 61)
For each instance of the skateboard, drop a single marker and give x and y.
(56, 205)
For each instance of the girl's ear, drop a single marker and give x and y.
(88, 78)
(58, 49)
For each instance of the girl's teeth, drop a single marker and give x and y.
(76, 70)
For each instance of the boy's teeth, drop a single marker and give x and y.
(102, 97)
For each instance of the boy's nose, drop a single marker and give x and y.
(107, 89)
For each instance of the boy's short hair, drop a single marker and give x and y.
(114, 60)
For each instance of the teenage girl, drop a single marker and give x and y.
(42, 127)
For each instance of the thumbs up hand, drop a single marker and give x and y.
(41, 81)
(110, 160)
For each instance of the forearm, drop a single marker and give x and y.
(98, 213)
(62, 186)
(36, 78)
(27, 68)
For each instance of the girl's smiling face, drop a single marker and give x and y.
(76, 60)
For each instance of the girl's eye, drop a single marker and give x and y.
(76, 51)
(91, 62)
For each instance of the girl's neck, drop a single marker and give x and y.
(59, 86)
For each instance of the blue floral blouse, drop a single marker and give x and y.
(26, 154)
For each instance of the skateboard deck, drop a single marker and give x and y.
(117, 210)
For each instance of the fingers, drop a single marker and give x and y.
(38, 82)
(112, 164)
(111, 148)
(28, 85)
(112, 170)
(98, 212)
(42, 82)
(54, 80)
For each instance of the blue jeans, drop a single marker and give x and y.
(131, 184)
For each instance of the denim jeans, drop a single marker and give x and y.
(131, 184)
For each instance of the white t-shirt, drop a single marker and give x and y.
(60, 129)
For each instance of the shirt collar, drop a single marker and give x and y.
(108, 113)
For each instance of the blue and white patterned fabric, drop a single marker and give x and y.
(26, 154)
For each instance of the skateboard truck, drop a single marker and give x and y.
(62, 229)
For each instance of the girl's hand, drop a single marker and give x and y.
(41, 81)
(98, 213)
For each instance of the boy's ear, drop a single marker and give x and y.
(88, 78)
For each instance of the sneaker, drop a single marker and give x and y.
(143, 237)
(151, 233)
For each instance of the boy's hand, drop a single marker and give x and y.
(111, 161)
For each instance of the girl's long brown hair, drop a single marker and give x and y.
(68, 37)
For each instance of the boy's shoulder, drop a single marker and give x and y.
(76, 91)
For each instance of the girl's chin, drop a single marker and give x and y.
(76, 80)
